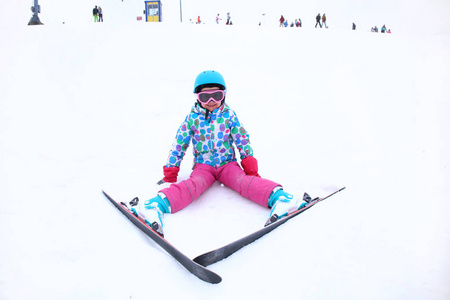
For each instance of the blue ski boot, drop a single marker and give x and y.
(282, 204)
(152, 211)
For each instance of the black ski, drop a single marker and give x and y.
(214, 256)
(193, 267)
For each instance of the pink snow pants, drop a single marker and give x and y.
(203, 176)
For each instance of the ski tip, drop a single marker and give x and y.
(106, 195)
(199, 259)
(212, 279)
(340, 190)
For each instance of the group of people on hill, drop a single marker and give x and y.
(284, 22)
(298, 22)
(324, 21)
(98, 14)
(218, 19)
(321, 20)
(383, 29)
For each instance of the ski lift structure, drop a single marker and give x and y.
(36, 9)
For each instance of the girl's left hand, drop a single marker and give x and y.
(250, 166)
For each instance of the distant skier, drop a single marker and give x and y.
(214, 130)
(95, 13)
(324, 21)
(383, 29)
(228, 19)
(100, 14)
(318, 21)
(353, 26)
(198, 20)
(281, 21)
(218, 19)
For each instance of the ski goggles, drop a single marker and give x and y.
(215, 95)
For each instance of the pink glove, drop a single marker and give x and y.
(170, 174)
(250, 166)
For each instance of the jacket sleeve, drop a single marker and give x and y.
(180, 145)
(240, 137)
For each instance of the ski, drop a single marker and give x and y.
(214, 256)
(193, 267)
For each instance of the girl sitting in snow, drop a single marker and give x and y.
(213, 128)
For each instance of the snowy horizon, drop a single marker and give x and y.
(400, 16)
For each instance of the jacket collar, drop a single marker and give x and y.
(203, 111)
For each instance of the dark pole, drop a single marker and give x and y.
(181, 14)
(35, 18)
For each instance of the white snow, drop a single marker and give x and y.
(86, 107)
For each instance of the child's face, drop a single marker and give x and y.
(211, 105)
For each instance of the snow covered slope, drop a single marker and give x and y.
(86, 107)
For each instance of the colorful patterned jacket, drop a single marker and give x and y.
(212, 135)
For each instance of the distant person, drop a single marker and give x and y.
(383, 29)
(285, 23)
(228, 19)
(100, 14)
(198, 20)
(318, 21)
(218, 19)
(95, 13)
(324, 21)
(353, 26)
(281, 21)
(389, 31)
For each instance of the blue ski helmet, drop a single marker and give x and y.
(207, 79)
